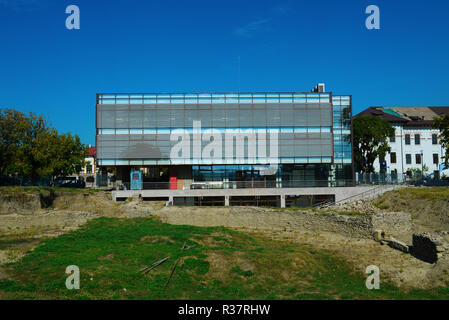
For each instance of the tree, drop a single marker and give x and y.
(33, 154)
(370, 136)
(9, 138)
(23, 139)
(442, 123)
(30, 147)
(68, 154)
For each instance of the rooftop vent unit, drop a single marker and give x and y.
(319, 88)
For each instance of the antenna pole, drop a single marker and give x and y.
(239, 77)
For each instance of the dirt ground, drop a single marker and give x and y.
(25, 229)
(399, 268)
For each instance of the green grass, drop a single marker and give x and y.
(224, 264)
(400, 197)
(298, 209)
(238, 270)
(349, 213)
(428, 193)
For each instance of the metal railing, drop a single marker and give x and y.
(380, 189)
(416, 180)
(199, 185)
(381, 178)
(254, 184)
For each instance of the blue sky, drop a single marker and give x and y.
(193, 46)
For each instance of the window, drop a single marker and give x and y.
(418, 158)
(407, 139)
(393, 157)
(408, 158)
(417, 139)
(393, 138)
(435, 158)
(434, 138)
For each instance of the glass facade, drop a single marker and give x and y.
(286, 175)
(229, 136)
(342, 168)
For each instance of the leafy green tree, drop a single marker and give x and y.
(370, 136)
(30, 147)
(33, 156)
(442, 123)
(13, 125)
(68, 154)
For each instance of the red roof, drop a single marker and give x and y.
(92, 151)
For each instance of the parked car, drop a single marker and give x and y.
(69, 182)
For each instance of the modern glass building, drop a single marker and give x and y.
(183, 140)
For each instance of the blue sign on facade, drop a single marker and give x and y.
(136, 180)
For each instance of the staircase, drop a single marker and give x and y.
(370, 194)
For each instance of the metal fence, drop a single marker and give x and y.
(380, 178)
(391, 179)
(368, 179)
(100, 181)
(24, 181)
(193, 185)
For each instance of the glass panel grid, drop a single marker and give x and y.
(195, 98)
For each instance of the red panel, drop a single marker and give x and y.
(173, 182)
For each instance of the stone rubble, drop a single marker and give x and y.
(426, 246)
(380, 236)
(362, 205)
(398, 245)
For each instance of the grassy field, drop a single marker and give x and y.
(224, 264)
(402, 197)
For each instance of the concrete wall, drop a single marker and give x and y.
(340, 193)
